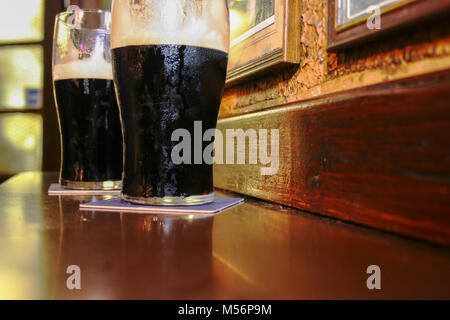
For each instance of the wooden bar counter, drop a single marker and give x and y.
(256, 250)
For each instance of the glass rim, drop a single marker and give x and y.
(85, 10)
(98, 11)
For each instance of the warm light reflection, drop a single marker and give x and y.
(237, 23)
(34, 180)
(19, 252)
(30, 143)
(234, 268)
(20, 142)
(14, 285)
(20, 69)
(62, 40)
(21, 20)
(108, 184)
(109, 197)
(21, 131)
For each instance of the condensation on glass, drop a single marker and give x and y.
(174, 81)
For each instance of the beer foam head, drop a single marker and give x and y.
(203, 23)
(73, 66)
(85, 69)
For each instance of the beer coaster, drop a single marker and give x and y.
(117, 205)
(59, 190)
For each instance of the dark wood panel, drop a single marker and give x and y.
(19, 43)
(409, 15)
(88, 4)
(22, 110)
(378, 156)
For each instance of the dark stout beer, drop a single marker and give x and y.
(162, 88)
(90, 130)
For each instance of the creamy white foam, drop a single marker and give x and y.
(84, 69)
(202, 23)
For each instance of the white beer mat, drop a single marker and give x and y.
(59, 190)
(117, 205)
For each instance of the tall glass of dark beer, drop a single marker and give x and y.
(169, 66)
(89, 120)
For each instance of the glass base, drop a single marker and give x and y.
(101, 185)
(171, 201)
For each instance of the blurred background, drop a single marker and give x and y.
(28, 127)
(29, 136)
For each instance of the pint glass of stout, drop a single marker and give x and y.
(169, 64)
(89, 121)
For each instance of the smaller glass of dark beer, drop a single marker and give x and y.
(89, 121)
(169, 65)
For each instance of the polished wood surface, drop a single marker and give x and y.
(255, 250)
(378, 156)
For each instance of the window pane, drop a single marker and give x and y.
(21, 20)
(20, 142)
(20, 73)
